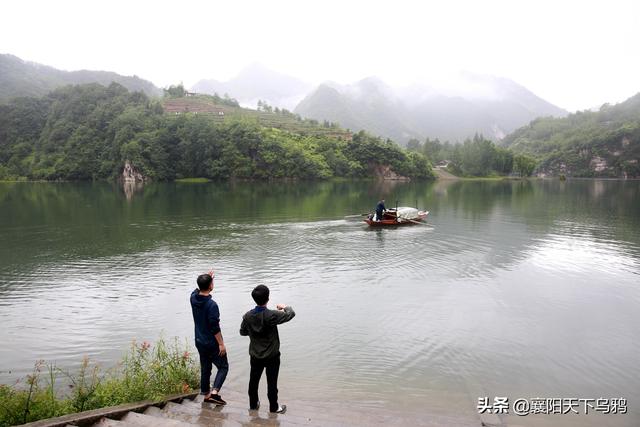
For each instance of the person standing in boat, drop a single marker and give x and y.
(380, 208)
(209, 342)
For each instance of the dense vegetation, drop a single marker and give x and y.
(21, 78)
(475, 157)
(145, 372)
(603, 143)
(88, 132)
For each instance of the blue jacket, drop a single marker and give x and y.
(206, 317)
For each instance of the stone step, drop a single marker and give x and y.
(191, 413)
(142, 420)
(298, 415)
(153, 411)
(343, 413)
(231, 414)
(107, 422)
(205, 413)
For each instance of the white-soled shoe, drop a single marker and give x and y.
(281, 410)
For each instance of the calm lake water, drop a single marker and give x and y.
(517, 289)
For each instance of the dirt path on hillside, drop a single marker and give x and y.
(444, 175)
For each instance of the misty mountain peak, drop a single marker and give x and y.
(258, 82)
(372, 82)
(452, 107)
(257, 70)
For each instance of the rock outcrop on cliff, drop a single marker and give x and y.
(132, 174)
(385, 172)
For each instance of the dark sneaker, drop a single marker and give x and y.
(281, 410)
(215, 398)
(256, 407)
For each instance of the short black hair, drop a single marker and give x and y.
(204, 281)
(260, 294)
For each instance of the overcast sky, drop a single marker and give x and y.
(575, 54)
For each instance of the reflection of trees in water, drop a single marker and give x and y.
(548, 199)
(384, 188)
(504, 220)
(5, 190)
(100, 219)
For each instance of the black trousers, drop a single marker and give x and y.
(272, 366)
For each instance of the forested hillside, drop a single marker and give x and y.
(475, 157)
(605, 143)
(22, 78)
(88, 132)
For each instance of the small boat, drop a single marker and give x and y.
(398, 216)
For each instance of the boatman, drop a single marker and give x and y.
(380, 208)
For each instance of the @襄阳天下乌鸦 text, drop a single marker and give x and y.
(551, 406)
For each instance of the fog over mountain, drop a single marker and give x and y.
(451, 109)
(257, 82)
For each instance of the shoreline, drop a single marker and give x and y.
(438, 178)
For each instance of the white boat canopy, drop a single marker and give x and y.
(407, 213)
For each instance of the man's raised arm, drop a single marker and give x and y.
(284, 313)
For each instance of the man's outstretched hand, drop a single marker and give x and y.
(223, 350)
(281, 306)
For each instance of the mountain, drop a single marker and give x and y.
(604, 143)
(257, 82)
(452, 111)
(368, 105)
(23, 78)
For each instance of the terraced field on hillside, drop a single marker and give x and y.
(203, 104)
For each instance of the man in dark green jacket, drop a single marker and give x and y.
(260, 324)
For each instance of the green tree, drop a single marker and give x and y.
(524, 165)
(175, 91)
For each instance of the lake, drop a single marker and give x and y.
(520, 289)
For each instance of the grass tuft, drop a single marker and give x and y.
(146, 371)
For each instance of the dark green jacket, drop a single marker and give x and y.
(261, 325)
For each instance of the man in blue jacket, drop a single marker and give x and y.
(209, 342)
(380, 208)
